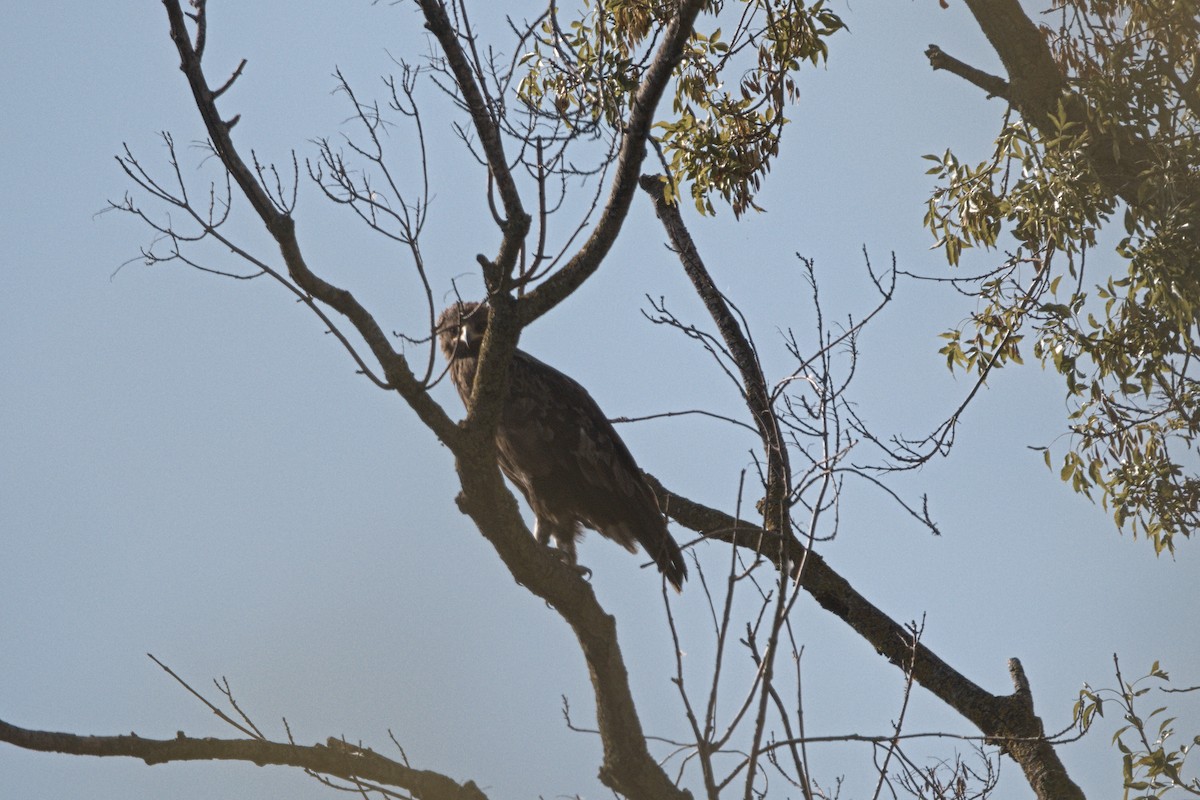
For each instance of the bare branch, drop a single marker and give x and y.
(254, 733)
(282, 228)
(334, 758)
(993, 85)
(478, 104)
(1006, 720)
(741, 350)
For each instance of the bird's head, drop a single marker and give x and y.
(460, 329)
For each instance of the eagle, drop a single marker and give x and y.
(557, 447)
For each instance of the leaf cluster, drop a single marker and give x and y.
(1152, 766)
(1122, 146)
(721, 136)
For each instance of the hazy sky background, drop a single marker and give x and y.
(190, 467)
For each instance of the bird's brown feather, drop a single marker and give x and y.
(557, 447)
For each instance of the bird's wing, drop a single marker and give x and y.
(558, 417)
(556, 443)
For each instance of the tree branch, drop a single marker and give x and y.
(1036, 84)
(517, 221)
(741, 350)
(628, 767)
(995, 86)
(1036, 87)
(1007, 720)
(282, 227)
(335, 758)
(625, 178)
(776, 508)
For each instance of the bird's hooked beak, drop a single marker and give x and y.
(467, 337)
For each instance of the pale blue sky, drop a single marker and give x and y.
(189, 467)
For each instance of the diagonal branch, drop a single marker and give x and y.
(994, 85)
(741, 350)
(776, 509)
(584, 263)
(628, 767)
(517, 221)
(1007, 720)
(335, 758)
(282, 227)
(1035, 81)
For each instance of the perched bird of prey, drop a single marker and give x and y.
(558, 448)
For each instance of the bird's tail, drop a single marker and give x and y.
(645, 525)
(670, 560)
(656, 539)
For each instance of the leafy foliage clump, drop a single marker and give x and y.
(1123, 144)
(718, 139)
(1153, 764)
